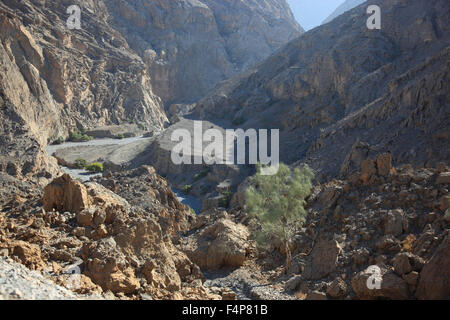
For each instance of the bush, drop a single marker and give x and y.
(201, 175)
(59, 140)
(80, 164)
(95, 167)
(187, 189)
(277, 203)
(79, 137)
(225, 201)
(119, 136)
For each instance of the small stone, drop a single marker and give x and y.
(337, 289)
(102, 231)
(84, 218)
(443, 178)
(401, 264)
(293, 283)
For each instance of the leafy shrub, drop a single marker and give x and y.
(119, 136)
(187, 189)
(59, 140)
(79, 137)
(277, 204)
(95, 167)
(80, 163)
(225, 201)
(201, 174)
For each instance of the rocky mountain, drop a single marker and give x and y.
(189, 45)
(344, 7)
(342, 92)
(128, 60)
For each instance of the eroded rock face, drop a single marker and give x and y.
(328, 99)
(434, 278)
(222, 244)
(222, 42)
(55, 80)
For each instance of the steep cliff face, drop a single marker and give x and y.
(53, 80)
(191, 45)
(341, 85)
(128, 59)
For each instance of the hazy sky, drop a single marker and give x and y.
(311, 13)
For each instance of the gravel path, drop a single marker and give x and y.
(19, 283)
(246, 286)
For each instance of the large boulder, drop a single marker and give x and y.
(222, 244)
(434, 282)
(65, 194)
(391, 286)
(323, 259)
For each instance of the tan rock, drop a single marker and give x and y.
(443, 178)
(368, 169)
(65, 194)
(434, 282)
(391, 286)
(223, 244)
(85, 217)
(28, 254)
(322, 259)
(337, 289)
(384, 164)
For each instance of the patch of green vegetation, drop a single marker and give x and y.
(95, 167)
(79, 137)
(119, 136)
(225, 201)
(238, 121)
(277, 203)
(80, 164)
(201, 175)
(192, 210)
(59, 140)
(187, 189)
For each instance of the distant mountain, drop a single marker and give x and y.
(341, 84)
(347, 5)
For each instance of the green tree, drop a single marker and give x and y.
(277, 202)
(95, 167)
